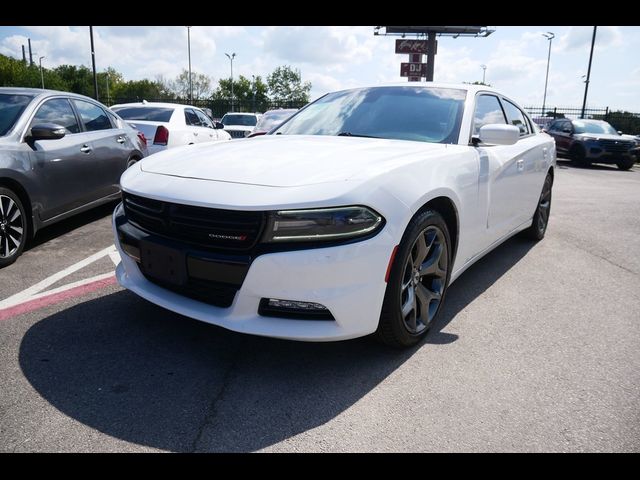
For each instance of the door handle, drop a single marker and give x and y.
(85, 149)
(520, 165)
(120, 139)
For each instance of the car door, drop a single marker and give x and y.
(208, 133)
(62, 166)
(530, 163)
(563, 135)
(501, 170)
(111, 147)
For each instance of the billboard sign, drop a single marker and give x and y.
(411, 46)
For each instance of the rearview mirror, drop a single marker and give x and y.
(218, 125)
(47, 131)
(499, 134)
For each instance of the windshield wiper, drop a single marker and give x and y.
(349, 134)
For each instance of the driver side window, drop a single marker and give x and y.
(488, 110)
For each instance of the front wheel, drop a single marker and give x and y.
(626, 164)
(13, 227)
(418, 281)
(578, 156)
(541, 216)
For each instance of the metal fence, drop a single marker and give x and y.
(627, 122)
(219, 107)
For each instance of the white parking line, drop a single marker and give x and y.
(36, 290)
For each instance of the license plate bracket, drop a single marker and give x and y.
(163, 263)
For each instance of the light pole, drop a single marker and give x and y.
(484, 71)
(586, 82)
(41, 74)
(231, 57)
(108, 100)
(549, 36)
(189, 49)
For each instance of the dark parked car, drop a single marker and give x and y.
(592, 141)
(60, 154)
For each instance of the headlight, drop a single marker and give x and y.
(321, 224)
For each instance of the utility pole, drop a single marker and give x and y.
(93, 62)
(231, 57)
(41, 74)
(549, 36)
(189, 49)
(30, 54)
(24, 56)
(586, 82)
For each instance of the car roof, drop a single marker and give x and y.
(154, 105)
(39, 92)
(460, 86)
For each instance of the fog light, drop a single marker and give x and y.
(273, 307)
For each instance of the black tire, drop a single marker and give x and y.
(131, 162)
(395, 328)
(541, 216)
(578, 156)
(13, 227)
(626, 164)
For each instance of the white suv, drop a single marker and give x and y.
(240, 125)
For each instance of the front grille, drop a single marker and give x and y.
(213, 293)
(616, 146)
(207, 227)
(236, 133)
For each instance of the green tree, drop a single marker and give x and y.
(478, 82)
(201, 85)
(138, 90)
(79, 79)
(285, 84)
(15, 73)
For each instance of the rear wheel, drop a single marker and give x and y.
(13, 227)
(417, 282)
(131, 162)
(625, 164)
(541, 216)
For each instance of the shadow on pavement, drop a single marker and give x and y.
(145, 375)
(65, 226)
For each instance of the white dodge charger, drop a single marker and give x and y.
(352, 217)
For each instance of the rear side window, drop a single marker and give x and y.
(516, 117)
(487, 111)
(191, 118)
(150, 114)
(93, 117)
(58, 111)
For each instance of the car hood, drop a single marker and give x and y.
(603, 136)
(288, 161)
(238, 128)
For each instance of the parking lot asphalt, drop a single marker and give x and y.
(538, 349)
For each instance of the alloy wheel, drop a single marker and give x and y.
(423, 279)
(11, 227)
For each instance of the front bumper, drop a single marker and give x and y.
(347, 279)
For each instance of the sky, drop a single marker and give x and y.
(334, 58)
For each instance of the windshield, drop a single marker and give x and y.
(11, 107)
(273, 119)
(241, 120)
(152, 114)
(593, 127)
(402, 113)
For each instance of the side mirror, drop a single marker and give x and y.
(499, 134)
(218, 125)
(47, 131)
(619, 132)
